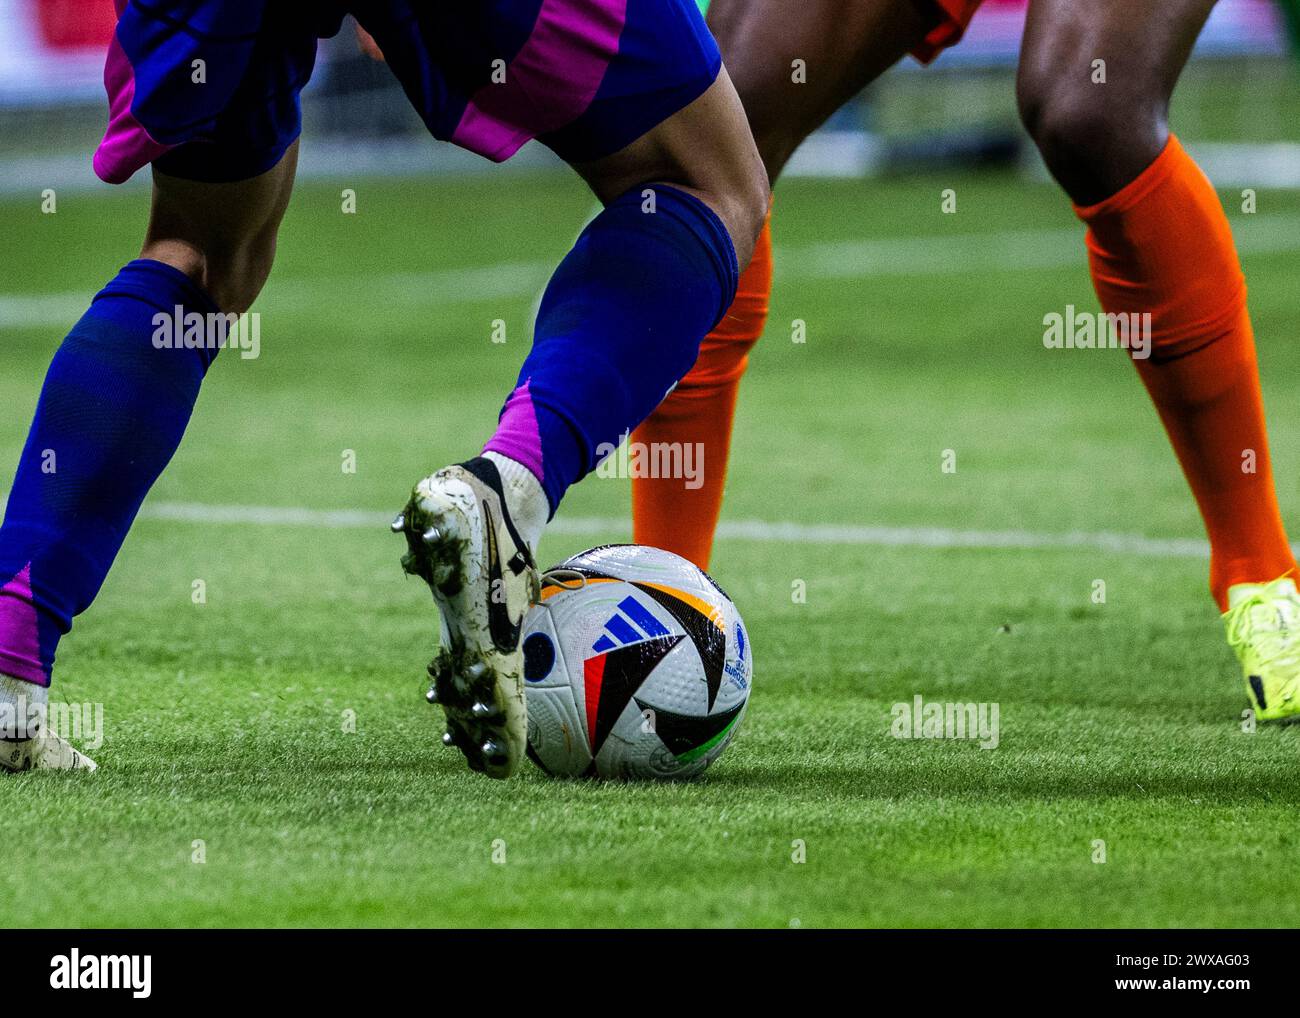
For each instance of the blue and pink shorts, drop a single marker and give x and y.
(210, 89)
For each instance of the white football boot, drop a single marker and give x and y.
(47, 752)
(462, 542)
(43, 751)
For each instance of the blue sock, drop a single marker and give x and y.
(620, 324)
(111, 414)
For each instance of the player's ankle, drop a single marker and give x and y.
(524, 496)
(22, 706)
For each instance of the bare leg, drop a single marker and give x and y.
(1098, 125)
(221, 235)
(845, 47)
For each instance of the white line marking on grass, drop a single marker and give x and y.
(738, 530)
(1006, 251)
(872, 258)
(36, 310)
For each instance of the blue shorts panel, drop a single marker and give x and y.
(209, 89)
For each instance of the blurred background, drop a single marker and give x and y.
(1236, 105)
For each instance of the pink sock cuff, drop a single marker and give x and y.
(20, 641)
(517, 435)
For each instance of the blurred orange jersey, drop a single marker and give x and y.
(956, 15)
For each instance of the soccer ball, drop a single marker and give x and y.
(636, 665)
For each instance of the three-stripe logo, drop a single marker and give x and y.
(630, 623)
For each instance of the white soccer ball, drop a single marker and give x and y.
(636, 665)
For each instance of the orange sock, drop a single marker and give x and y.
(1162, 245)
(666, 513)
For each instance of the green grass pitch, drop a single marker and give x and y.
(225, 723)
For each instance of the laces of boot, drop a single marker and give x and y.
(566, 579)
(1273, 642)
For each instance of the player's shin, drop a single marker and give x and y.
(116, 400)
(619, 325)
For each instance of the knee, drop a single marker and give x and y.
(778, 124)
(231, 274)
(746, 187)
(1090, 137)
(758, 200)
(1067, 124)
(221, 235)
(745, 204)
